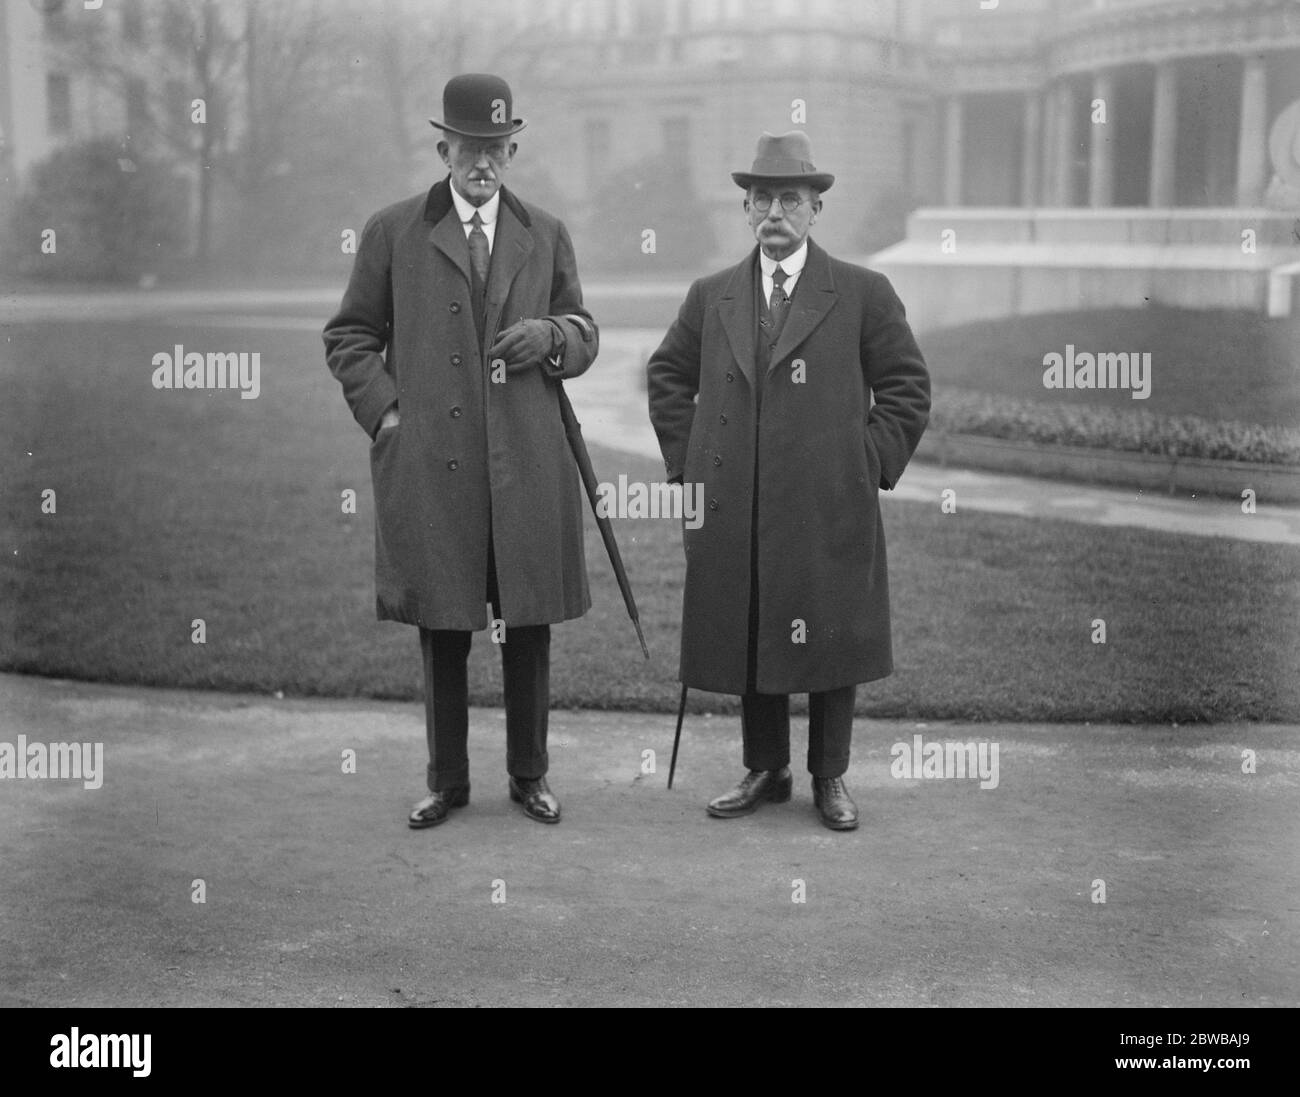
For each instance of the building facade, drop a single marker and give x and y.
(697, 82)
(1156, 103)
(943, 105)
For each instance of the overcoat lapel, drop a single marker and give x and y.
(510, 250)
(814, 296)
(736, 312)
(448, 236)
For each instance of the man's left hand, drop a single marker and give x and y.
(523, 344)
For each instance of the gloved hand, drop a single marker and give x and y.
(523, 344)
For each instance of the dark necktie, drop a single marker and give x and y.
(777, 305)
(479, 258)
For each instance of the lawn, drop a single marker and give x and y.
(1221, 365)
(173, 506)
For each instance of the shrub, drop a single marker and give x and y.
(962, 411)
(654, 194)
(114, 214)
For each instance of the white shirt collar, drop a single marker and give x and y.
(487, 211)
(791, 264)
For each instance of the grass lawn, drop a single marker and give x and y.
(1221, 365)
(180, 505)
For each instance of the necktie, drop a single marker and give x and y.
(776, 306)
(479, 259)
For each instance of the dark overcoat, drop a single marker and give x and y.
(844, 402)
(469, 454)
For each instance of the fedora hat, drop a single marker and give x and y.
(476, 104)
(786, 156)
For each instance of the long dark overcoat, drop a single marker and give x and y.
(844, 403)
(468, 450)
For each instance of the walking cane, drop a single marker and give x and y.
(681, 712)
(573, 431)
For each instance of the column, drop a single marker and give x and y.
(1252, 133)
(1047, 159)
(1220, 150)
(1067, 127)
(1164, 131)
(952, 152)
(1031, 149)
(623, 18)
(1101, 148)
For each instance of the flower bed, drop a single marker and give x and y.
(964, 411)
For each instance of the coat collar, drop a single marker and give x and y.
(439, 203)
(511, 244)
(814, 296)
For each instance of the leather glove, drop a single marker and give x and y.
(523, 344)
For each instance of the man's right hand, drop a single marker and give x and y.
(390, 419)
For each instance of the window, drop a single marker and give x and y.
(137, 106)
(56, 21)
(909, 157)
(675, 139)
(132, 22)
(648, 18)
(598, 148)
(58, 103)
(177, 30)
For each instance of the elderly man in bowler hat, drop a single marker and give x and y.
(789, 385)
(462, 310)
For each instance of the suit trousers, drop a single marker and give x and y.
(765, 723)
(525, 667)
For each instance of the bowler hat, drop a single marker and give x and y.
(476, 104)
(787, 156)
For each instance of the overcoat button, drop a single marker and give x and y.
(453, 464)
(455, 413)
(455, 359)
(731, 376)
(717, 461)
(713, 504)
(722, 419)
(454, 306)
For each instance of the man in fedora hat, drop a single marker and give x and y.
(791, 387)
(463, 306)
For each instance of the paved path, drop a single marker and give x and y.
(316, 892)
(611, 404)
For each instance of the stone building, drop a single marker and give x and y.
(697, 81)
(1051, 153)
(1112, 152)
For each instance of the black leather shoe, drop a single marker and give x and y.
(435, 807)
(756, 786)
(834, 804)
(538, 800)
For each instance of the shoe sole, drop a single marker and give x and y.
(424, 824)
(516, 798)
(780, 795)
(852, 825)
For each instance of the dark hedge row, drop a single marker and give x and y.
(963, 411)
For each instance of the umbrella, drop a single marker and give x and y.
(573, 431)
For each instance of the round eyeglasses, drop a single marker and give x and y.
(789, 202)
